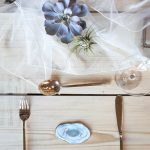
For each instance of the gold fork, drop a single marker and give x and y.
(24, 113)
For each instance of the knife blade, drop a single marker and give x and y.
(119, 116)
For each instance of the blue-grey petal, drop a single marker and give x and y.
(75, 29)
(82, 23)
(84, 10)
(65, 2)
(48, 6)
(76, 9)
(68, 3)
(62, 31)
(47, 22)
(75, 19)
(59, 7)
(51, 27)
(51, 15)
(67, 38)
(72, 2)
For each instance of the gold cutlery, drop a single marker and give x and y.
(82, 84)
(24, 113)
(119, 116)
(52, 87)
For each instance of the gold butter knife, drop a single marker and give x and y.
(119, 116)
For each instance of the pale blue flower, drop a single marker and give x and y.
(63, 19)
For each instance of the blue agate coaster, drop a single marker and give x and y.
(74, 133)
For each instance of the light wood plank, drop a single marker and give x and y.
(98, 113)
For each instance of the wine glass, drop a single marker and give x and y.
(134, 76)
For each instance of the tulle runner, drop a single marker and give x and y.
(28, 53)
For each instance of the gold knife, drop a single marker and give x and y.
(119, 116)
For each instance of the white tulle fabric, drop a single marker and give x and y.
(28, 53)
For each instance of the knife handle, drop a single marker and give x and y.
(121, 142)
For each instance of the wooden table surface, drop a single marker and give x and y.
(96, 111)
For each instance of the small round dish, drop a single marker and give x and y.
(74, 133)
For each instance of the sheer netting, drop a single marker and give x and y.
(28, 53)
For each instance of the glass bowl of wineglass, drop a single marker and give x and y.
(133, 76)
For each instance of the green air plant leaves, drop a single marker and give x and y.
(84, 42)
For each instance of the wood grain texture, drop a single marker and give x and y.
(98, 113)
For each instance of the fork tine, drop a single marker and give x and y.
(24, 104)
(27, 103)
(21, 104)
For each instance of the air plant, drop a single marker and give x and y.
(85, 42)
